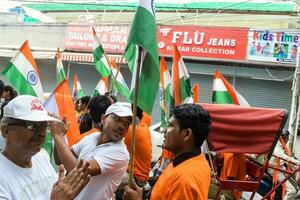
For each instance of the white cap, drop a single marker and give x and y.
(122, 109)
(28, 108)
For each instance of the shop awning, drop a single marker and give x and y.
(88, 57)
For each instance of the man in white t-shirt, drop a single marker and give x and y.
(105, 151)
(26, 172)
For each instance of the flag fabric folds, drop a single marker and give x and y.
(224, 93)
(100, 59)
(77, 89)
(60, 102)
(181, 83)
(101, 87)
(142, 42)
(119, 83)
(22, 72)
(60, 72)
(164, 91)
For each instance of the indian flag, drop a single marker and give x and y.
(119, 83)
(22, 72)
(77, 89)
(224, 93)
(142, 42)
(100, 60)
(60, 72)
(60, 102)
(164, 91)
(181, 83)
(101, 87)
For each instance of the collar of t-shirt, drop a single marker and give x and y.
(185, 156)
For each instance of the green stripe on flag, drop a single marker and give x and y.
(17, 79)
(221, 97)
(60, 76)
(185, 88)
(101, 66)
(80, 93)
(123, 90)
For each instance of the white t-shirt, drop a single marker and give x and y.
(17, 183)
(112, 158)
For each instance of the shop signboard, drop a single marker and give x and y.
(113, 38)
(192, 41)
(273, 46)
(204, 42)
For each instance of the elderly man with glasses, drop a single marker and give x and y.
(26, 172)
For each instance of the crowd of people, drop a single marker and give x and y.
(97, 167)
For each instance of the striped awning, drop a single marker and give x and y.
(88, 57)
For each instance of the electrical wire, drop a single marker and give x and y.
(277, 79)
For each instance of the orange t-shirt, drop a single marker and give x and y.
(165, 154)
(234, 166)
(146, 118)
(143, 151)
(188, 180)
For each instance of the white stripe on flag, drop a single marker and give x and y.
(219, 85)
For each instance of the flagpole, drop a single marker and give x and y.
(68, 70)
(136, 89)
(294, 116)
(113, 77)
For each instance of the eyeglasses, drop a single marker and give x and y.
(36, 127)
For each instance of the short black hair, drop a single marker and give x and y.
(97, 106)
(1, 87)
(193, 116)
(113, 97)
(84, 100)
(13, 92)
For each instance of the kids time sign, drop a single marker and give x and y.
(273, 46)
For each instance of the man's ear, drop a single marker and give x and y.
(188, 134)
(103, 118)
(4, 130)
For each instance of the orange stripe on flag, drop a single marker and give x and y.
(58, 54)
(94, 32)
(75, 80)
(175, 76)
(25, 49)
(66, 109)
(163, 68)
(228, 87)
(105, 80)
(196, 93)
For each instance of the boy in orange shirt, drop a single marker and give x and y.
(188, 175)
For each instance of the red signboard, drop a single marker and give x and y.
(192, 41)
(112, 38)
(212, 42)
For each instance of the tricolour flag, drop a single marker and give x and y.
(224, 93)
(22, 72)
(60, 72)
(181, 83)
(142, 43)
(100, 60)
(119, 83)
(164, 91)
(60, 102)
(101, 87)
(77, 89)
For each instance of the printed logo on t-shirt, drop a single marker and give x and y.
(39, 189)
